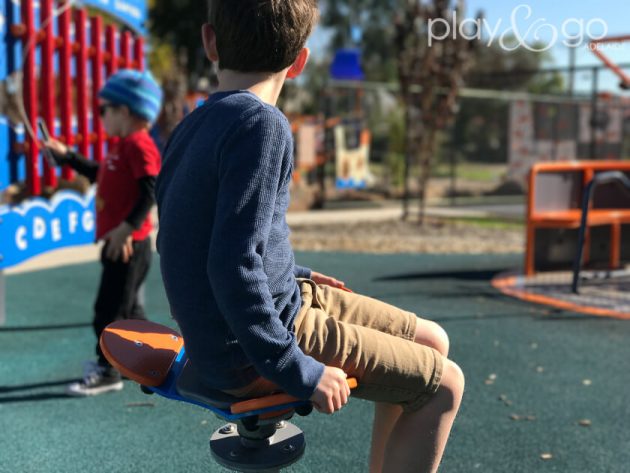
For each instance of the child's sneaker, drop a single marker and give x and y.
(97, 379)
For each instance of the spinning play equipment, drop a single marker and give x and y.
(577, 248)
(258, 436)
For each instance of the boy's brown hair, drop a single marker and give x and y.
(261, 35)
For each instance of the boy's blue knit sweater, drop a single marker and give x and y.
(226, 261)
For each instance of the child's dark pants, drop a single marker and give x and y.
(117, 297)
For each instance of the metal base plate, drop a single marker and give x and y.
(284, 448)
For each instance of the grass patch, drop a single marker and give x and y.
(472, 171)
(489, 222)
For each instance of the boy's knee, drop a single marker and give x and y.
(443, 340)
(431, 334)
(453, 381)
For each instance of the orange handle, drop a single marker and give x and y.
(272, 400)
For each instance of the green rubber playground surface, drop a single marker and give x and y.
(532, 372)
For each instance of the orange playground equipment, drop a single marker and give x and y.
(594, 46)
(257, 437)
(578, 215)
(554, 212)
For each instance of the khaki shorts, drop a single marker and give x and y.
(368, 339)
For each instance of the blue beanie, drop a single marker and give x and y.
(137, 90)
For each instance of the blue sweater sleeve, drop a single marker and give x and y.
(302, 272)
(251, 171)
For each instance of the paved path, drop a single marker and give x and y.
(390, 211)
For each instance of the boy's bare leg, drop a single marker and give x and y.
(417, 441)
(386, 415)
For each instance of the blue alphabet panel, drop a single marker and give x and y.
(38, 226)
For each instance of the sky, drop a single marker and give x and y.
(604, 17)
(555, 21)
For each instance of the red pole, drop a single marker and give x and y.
(111, 65)
(138, 52)
(65, 59)
(48, 82)
(97, 84)
(125, 47)
(30, 98)
(81, 80)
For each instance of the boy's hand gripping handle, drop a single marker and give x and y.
(273, 400)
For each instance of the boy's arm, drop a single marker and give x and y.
(120, 238)
(84, 166)
(64, 156)
(319, 278)
(302, 272)
(250, 173)
(144, 203)
(144, 162)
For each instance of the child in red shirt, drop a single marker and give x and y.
(130, 102)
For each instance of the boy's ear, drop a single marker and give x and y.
(298, 66)
(209, 38)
